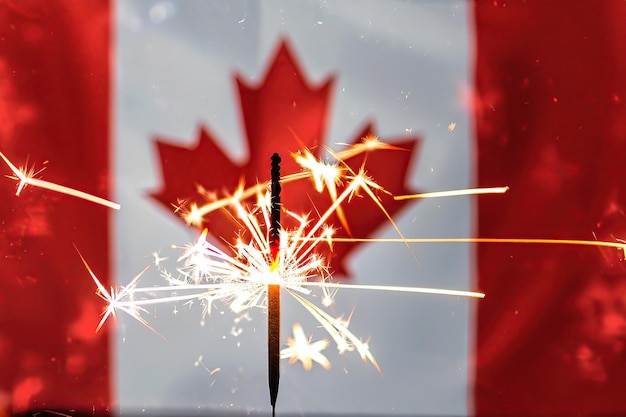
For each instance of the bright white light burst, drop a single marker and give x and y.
(239, 275)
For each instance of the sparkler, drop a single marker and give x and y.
(268, 257)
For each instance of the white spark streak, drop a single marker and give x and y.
(26, 177)
(452, 193)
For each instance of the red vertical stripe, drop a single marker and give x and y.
(54, 111)
(551, 123)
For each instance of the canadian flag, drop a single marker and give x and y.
(143, 102)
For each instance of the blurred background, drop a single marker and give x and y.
(525, 94)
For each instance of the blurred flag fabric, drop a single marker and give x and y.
(107, 94)
(551, 123)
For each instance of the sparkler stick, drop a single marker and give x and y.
(273, 290)
(26, 178)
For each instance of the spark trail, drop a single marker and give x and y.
(25, 177)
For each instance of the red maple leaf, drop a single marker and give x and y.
(283, 114)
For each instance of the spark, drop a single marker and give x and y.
(392, 288)
(199, 362)
(451, 126)
(369, 143)
(453, 193)
(619, 244)
(51, 412)
(300, 348)
(26, 176)
(157, 259)
(325, 175)
(116, 297)
(194, 217)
